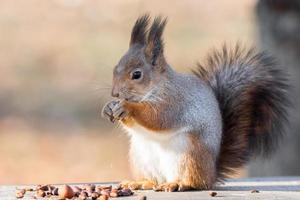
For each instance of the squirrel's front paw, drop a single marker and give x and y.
(114, 110)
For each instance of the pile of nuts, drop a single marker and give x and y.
(87, 192)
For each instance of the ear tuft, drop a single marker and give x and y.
(155, 45)
(139, 31)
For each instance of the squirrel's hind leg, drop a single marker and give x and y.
(198, 167)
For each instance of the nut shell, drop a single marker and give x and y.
(41, 193)
(103, 197)
(19, 194)
(65, 192)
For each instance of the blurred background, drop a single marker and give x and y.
(56, 61)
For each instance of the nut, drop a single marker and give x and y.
(113, 194)
(65, 192)
(143, 198)
(41, 193)
(106, 187)
(77, 189)
(89, 188)
(98, 190)
(23, 191)
(88, 191)
(55, 191)
(29, 189)
(213, 194)
(103, 197)
(94, 195)
(83, 196)
(43, 187)
(126, 192)
(20, 194)
(105, 192)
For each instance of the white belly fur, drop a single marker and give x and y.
(157, 155)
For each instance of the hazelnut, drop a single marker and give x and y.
(126, 192)
(43, 187)
(41, 193)
(65, 192)
(23, 191)
(105, 192)
(94, 195)
(29, 189)
(83, 195)
(113, 194)
(77, 189)
(213, 194)
(55, 191)
(106, 187)
(19, 194)
(143, 198)
(103, 197)
(90, 188)
(98, 190)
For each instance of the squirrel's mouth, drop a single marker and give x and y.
(131, 99)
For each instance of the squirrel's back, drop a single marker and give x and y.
(200, 109)
(252, 92)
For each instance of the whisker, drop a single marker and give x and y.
(102, 89)
(152, 107)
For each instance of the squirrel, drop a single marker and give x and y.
(190, 131)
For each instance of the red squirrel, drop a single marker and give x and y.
(189, 131)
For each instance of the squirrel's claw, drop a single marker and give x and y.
(166, 187)
(172, 187)
(114, 110)
(118, 111)
(107, 111)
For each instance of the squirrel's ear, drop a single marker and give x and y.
(139, 30)
(155, 46)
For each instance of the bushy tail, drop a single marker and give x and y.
(252, 94)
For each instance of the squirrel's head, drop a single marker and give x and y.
(143, 65)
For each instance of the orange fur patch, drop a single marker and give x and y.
(198, 166)
(128, 121)
(147, 115)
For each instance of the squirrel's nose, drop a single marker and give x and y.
(114, 94)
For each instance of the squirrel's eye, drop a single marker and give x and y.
(136, 75)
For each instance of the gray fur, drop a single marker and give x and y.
(193, 105)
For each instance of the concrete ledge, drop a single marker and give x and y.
(269, 188)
